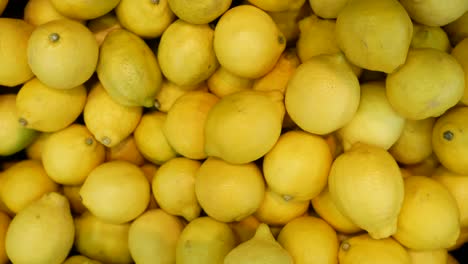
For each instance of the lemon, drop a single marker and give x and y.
(458, 29)
(24, 183)
(430, 37)
(367, 174)
(375, 122)
(364, 249)
(150, 169)
(80, 259)
(322, 94)
(437, 256)
(460, 53)
(278, 5)
(418, 90)
(433, 12)
(229, 192)
(204, 241)
(14, 68)
(120, 183)
(374, 35)
(170, 92)
(3, 5)
(429, 218)
(222, 83)
(147, 19)
(246, 34)
(262, 248)
(62, 53)
(462, 239)
(310, 240)
(328, 9)
(425, 167)
(325, 207)
(153, 236)
(244, 126)
(49, 217)
(70, 154)
(173, 187)
(129, 73)
(184, 127)
(4, 224)
(451, 260)
(200, 12)
(457, 186)
(72, 192)
(101, 240)
(245, 228)
(405, 172)
(109, 121)
(449, 140)
(38, 12)
(126, 150)
(275, 210)
(297, 167)
(84, 9)
(47, 109)
(287, 21)
(101, 26)
(279, 76)
(415, 142)
(13, 136)
(150, 138)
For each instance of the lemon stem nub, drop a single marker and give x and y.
(23, 122)
(155, 2)
(287, 197)
(345, 246)
(106, 141)
(89, 141)
(157, 104)
(448, 135)
(54, 37)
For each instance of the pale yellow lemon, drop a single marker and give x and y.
(430, 37)
(126, 150)
(327, 8)
(200, 12)
(222, 83)
(460, 53)
(433, 12)
(84, 9)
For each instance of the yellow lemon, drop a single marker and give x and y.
(245, 228)
(450, 140)
(48, 109)
(462, 239)
(170, 92)
(460, 53)
(120, 183)
(153, 236)
(328, 9)
(14, 68)
(102, 25)
(34, 151)
(322, 94)
(436, 256)
(72, 192)
(244, 126)
(84, 9)
(375, 122)
(415, 142)
(418, 90)
(458, 29)
(62, 53)
(433, 12)
(229, 192)
(374, 35)
(429, 218)
(425, 167)
(369, 175)
(147, 19)
(204, 241)
(150, 169)
(184, 127)
(430, 37)
(246, 34)
(38, 12)
(287, 21)
(4, 224)
(173, 187)
(222, 83)
(80, 259)
(200, 12)
(70, 154)
(278, 5)
(126, 150)
(310, 240)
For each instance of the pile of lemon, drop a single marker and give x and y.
(235, 132)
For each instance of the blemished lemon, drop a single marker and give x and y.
(84, 9)
(375, 122)
(80, 259)
(363, 249)
(450, 140)
(457, 186)
(436, 256)
(278, 5)
(277, 211)
(4, 224)
(49, 217)
(429, 218)
(322, 94)
(287, 21)
(153, 236)
(415, 142)
(297, 167)
(441, 89)
(326, 208)
(205, 241)
(109, 121)
(120, 183)
(102, 25)
(200, 12)
(458, 29)
(310, 240)
(433, 12)
(384, 43)
(245, 34)
(24, 183)
(229, 192)
(70, 154)
(150, 138)
(47, 109)
(327, 8)
(72, 192)
(38, 12)
(184, 127)
(430, 37)
(147, 19)
(244, 126)
(222, 83)
(101, 240)
(460, 53)
(367, 174)
(170, 92)
(126, 150)
(62, 53)
(173, 187)
(14, 68)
